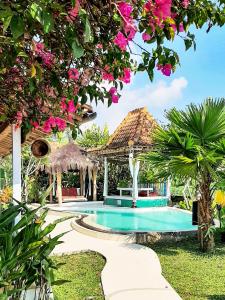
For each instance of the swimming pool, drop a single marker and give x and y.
(160, 219)
(151, 220)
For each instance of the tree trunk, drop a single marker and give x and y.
(205, 216)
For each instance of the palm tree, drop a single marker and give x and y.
(193, 146)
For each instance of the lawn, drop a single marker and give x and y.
(84, 271)
(194, 275)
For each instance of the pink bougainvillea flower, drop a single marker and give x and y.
(73, 73)
(48, 58)
(73, 12)
(38, 47)
(125, 9)
(121, 41)
(126, 75)
(99, 46)
(19, 116)
(52, 122)
(46, 127)
(146, 37)
(107, 76)
(185, 3)
(162, 9)
(115, 98)
(63, 104)
(165, 69)
(130, 31)
(71, 107)
(35, 124)
(112, 90)
(61, 124)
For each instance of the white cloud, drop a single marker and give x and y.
(157, 97)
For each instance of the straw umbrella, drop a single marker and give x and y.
(71, 157)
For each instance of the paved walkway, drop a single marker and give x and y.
(132, 271)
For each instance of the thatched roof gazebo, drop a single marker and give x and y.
(134, 134)
(68, 157)
(132, 137)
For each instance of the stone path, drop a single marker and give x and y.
(132, 271)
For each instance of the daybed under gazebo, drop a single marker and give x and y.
(131, 138)
(68, 157)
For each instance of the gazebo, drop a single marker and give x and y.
(131, 138)
(72, 157)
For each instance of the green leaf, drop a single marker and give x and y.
(6, 22)
(188, 44)
(36, 11)
(32, 85)
(87, 31)
(22, 54)
(17, 26)
(77, 49)
(47, 21)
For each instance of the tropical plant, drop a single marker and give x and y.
(93, 137)
(54, 55)
(25, 247)
(193, 146)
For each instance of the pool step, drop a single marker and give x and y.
(81, 226)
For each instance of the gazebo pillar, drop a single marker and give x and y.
(94, 178)
(81, 183)
(105, 191)
(16, 162)
(59, 187)
(136, 166)
(168, 189)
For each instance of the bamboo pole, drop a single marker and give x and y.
(50, 183)
(81, 183)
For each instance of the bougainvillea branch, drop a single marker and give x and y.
(56, 55)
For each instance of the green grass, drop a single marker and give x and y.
(84, 271)
(194, 275)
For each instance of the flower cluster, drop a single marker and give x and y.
(114, 95)
(62, 51)
(54, 123)
(46, 56)
(165, 69)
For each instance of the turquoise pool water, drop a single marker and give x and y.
(155, 220)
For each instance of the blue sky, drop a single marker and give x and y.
(202, 74)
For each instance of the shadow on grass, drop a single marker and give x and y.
(189, 244)
(216, 297)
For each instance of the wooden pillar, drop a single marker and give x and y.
(59, 187)
(50, 184)
(81, 183)
(105, 191)
(94, 178)
(16, 162)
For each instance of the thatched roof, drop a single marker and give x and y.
(134, 132)
(68, 157)
(6, 138)
(6, 130)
